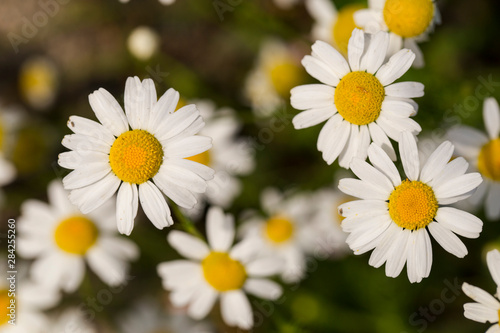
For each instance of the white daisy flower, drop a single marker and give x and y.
(395, 217)
(487, 308)
(30, 300)
(62, 240)
(229, 156)
(217, 269)
(332, 26)
(284, 232)
(357, 97)
(149, 316)
(139, 162)
(483, 152)
(407, 21)
(276, 72)
(143, 42)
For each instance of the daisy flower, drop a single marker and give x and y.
(31, 299)
(61, 240)
(487, 308)
(394, 217)
(218, 270)
(9, 123)
(407, 21)
(39, 82)
(143, 42)
(139, 154)
(229, 157)
(483, 152)
(357, 97)
(284, 232)
(149, 316)
(268, 85)
(332, 26)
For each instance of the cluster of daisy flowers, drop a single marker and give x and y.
(176, 160)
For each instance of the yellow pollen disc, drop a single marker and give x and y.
(358, 98)
(343, 27)
(203, 158)
(4, 303)
(222, 272)
(488, 161)
(412, 205)
(135, 156)
(408, 18)
(76, 235)
(284, 76)
(279, 229)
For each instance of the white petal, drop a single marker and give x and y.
(398, 253)
(491, 116)
(369, 174)
(460, 222)
(108, 111)
(180, 195)
(84, 126)
(320, 71)
(493, 261)
(454, 169)
(351, 148)
(375, 53)
(492, 207)
(468, 141)
(263, 288)
(397, 108)
(355, 48)
(381, 252)
(165, 106)
(312, 96)
(77, 158)
(187, 245)
(136, 99)
(187, 147)
(176, 123)
(458, 186)
(380, 138)
(80, 142)
(313, 117)
(93, 196)
(336, 142)
(437, 161)
(200, 169)
(362, 207)
(480, 313)
(409, 155)
(220, 229)
(405, 89)
(447, 239)
(363, 190)
(203, 303)
(480, 296)
(127, 203)
(236, 309)
(86, 175)
(397, 65)
(380, 160)
(264, 266)
(331, 57)
(154, 205)
(183, 177)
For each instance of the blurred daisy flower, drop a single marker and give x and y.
(139, 154)
(229, 156)
(483, 152)
(407, 21)
(332, 26)
(10, 119)
(395, 217)
(357, 97)
(276, 72)
(286, 4)
(39, 82)
(487, 308)
(143, 42)
(31, 299)
(149, 316)
(218, 270)
(71, 320)
(285, 231)
(62, 240)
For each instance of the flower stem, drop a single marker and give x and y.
(185, 222)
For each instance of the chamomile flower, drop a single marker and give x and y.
(284, 232)
(39, 82)
(268, 85)
(218, 270)
(357, 98)
(143, 42)
(332, 26)
(483, 152)
(229, 156)
(61, 240)
(487, 308)
(30, 300)
(394, 217)
(139, 154)
(407, 21)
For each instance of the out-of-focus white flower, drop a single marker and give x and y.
(143, 42)
(39, 82)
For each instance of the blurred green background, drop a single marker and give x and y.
(203, 56)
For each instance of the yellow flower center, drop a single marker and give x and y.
(203, 158)
(279, 229)
(4, 304)
(136, 156)
(412, 205)
(488, 161)
(408, 18)
(358, 98)
(284, 76)
(222, 272)
(343, 27)
(38, 81)
(76, 235)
